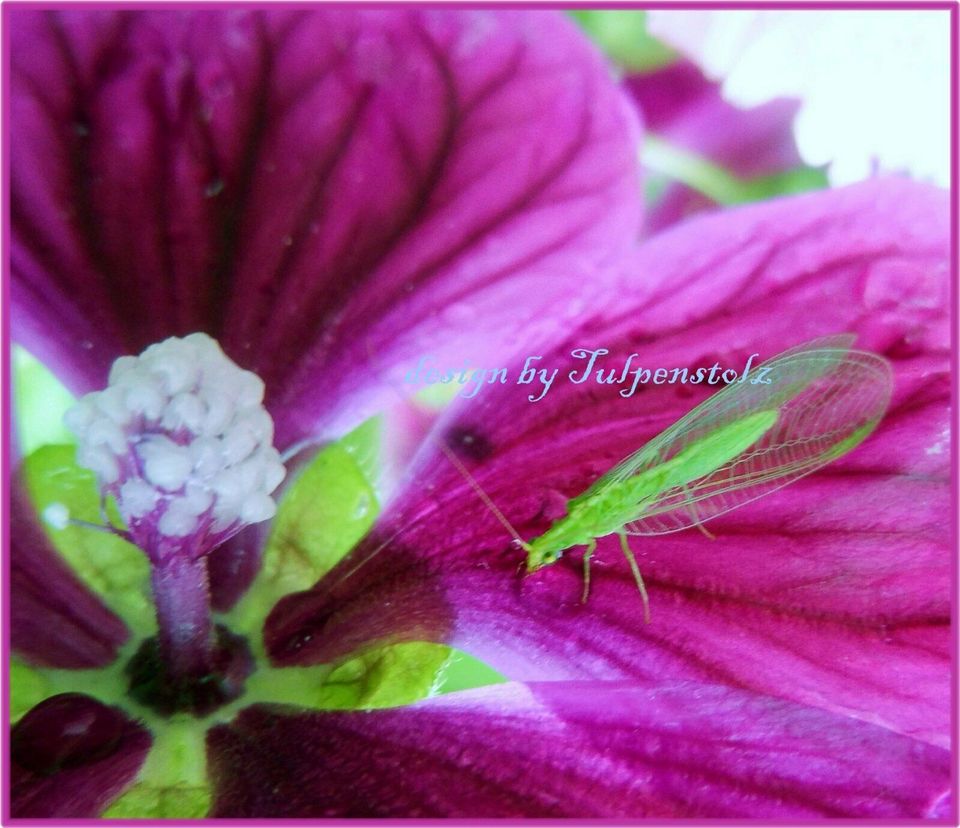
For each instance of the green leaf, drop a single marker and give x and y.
(670, 162)
(325, 511)
(363, 445)
(114, 569)
(321, 517)
(401, 674)
(464, 672)
(144, 801)
(437, 396)
(624, 38)
(387, 677)
(28, 687)
(40, 401)
(172, 784)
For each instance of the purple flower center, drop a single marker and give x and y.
(181, 442)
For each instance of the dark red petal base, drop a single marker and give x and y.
(71, 755)
(152, 686)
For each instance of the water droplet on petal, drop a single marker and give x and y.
(214, 188)
(57, 515)
(362, 508)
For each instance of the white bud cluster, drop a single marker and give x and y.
(181, 438)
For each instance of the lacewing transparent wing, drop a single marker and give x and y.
(826, 399)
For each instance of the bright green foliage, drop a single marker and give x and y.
(328, 507)
(363, 445)
(401, 674)
(28, 687)
(463, 672)
(387, 677)
(156, 801)
(624, 38)
(114, 569)
(437, 396)
(172, 783)
(40, 401)
(668, 162)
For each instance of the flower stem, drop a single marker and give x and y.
(181, 592)
(190, 666)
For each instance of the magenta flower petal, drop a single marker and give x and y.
(571, 749)
(309, 187)
(233, 565)
(681, 106)
(833, 592)
(70, 756)
(55, 621)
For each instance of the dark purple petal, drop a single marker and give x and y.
(571, 749)
(55, 621)
(833, 592)
(233, 565)
(309, 187)
(681, 106)
(71, 756)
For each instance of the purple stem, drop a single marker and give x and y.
(181, 592)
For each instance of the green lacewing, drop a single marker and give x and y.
(747, 440)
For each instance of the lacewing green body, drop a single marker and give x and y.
(747, 440)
